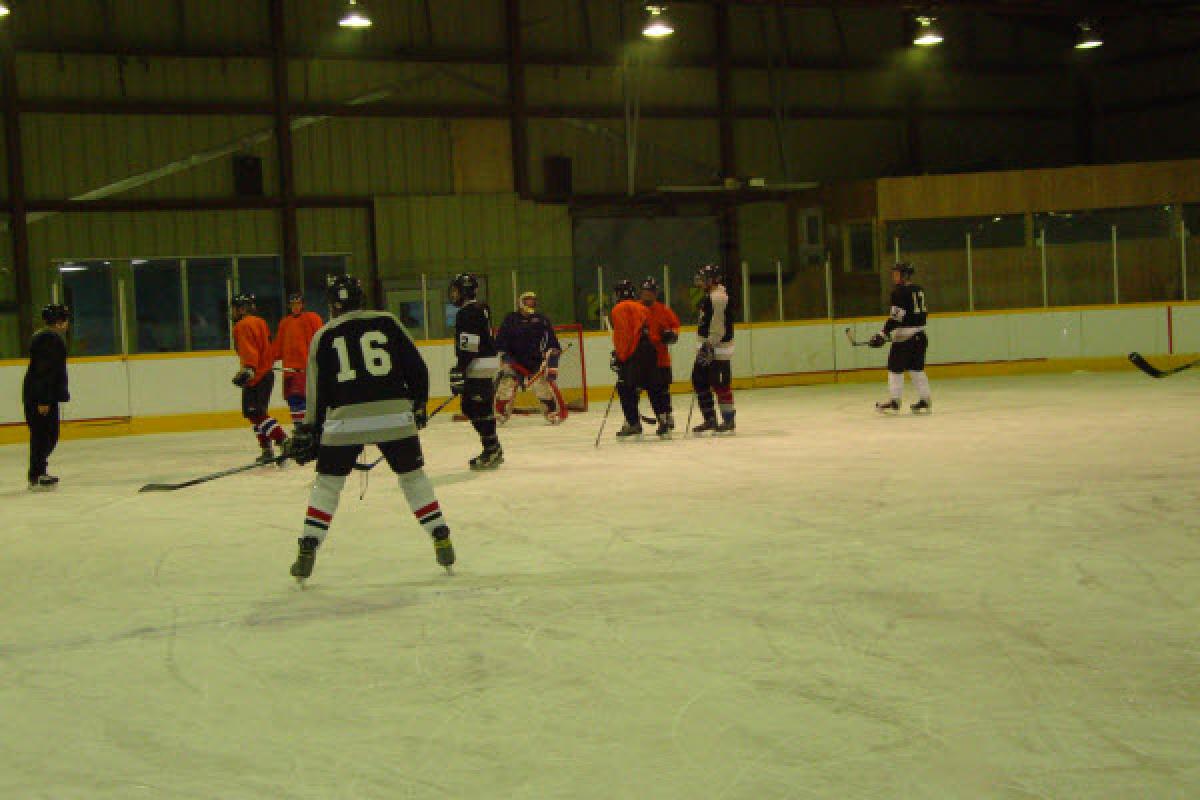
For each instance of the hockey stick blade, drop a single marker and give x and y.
(1154, 372)
(853, 342)
(171, 487)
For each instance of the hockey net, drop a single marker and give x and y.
(572, 376)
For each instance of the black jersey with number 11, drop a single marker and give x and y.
(908, 309)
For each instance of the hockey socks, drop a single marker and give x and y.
(896, 385)
(296, 406)
(418, 491)
(921, 383)
(725, 399)
(267, 430)
(322, 505)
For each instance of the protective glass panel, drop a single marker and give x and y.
(262, 276)
(208, 302)
(88, 291)
(158, 305)
(317, 270)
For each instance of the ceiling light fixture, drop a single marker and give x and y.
(355, 16)
(1089, 37)
(4, 9)
(928, 33)
(657, 24)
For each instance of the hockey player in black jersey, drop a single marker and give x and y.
(713, 370)
(905, 329)
(473, 376)
(44, 388)
(367, 384)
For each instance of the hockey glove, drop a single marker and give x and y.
(878, 340)
(458, 381)
(705, 355)
(670, 337)
(243, 377)
(302, 447)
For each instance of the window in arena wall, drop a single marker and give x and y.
(87, 288)
(207, 288)
(317, 269)
(158, 305)
(262, 276)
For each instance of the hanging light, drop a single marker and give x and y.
(1089, 37)
(929, 33)
(657, 25)
(355, 16)
(4, 9)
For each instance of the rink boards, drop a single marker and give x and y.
(188, 391)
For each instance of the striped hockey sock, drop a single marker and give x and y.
(421, 499)
(269, 430)
(322, 505)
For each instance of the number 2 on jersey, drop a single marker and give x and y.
(372, 344)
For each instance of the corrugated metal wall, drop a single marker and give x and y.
(343, 155)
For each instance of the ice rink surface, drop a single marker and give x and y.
(1000, 600)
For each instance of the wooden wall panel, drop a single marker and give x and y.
(482, 150)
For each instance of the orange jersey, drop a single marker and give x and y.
(662, 318)
(252, 340)
(292, 338)
(629, 318)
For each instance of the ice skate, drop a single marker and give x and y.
(306, 557)
(490, 458)
(629, 431)
(923, 406)
(709, 424)
(663, 431)
(888, 407)
(670, 421)
(726, 427)
(267, 456)
(43, 483)
(443, 548)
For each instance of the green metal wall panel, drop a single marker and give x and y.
(374, 156)
(655, 86)
(180, 23)
(70, 154)
(334, 80)
(45, 75)
(824, 150)
(470, 24)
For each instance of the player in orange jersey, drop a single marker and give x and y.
(664, 332)
(295, 332)
(252, 340)
(636, 363)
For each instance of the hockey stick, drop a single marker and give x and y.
(855, 343)
(170, 487)
(691, 407)
(1153, 371)
(375, 463)
(607, 409)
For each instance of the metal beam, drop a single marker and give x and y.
(518, 121)
(293, 270)
(16, 189)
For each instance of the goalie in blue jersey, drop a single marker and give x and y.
(529, 352)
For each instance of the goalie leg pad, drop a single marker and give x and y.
(552, 400)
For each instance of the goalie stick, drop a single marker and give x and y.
(1154, 372)
(170, 487)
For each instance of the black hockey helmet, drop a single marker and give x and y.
(55, 313)
(650, 285)
(344, 292)
(295, 297)
(709, 273)
(905, 269)
(624, 290)
(467, 286)
(244, 301)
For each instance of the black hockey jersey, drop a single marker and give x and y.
(908, 310)
(365, 377)
(715, 324)
(474, 345)
(46, 378)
